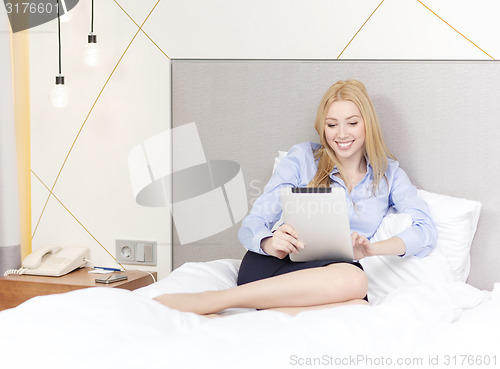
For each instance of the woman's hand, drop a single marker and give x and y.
(361, 246)
(283, 242)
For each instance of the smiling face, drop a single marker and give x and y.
(345, 132)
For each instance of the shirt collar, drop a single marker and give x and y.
(335, 170)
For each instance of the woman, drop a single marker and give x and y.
(352, 155)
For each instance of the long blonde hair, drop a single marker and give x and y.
(376, 152)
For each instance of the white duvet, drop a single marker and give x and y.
(451, 325)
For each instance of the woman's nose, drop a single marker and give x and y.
(342, 131)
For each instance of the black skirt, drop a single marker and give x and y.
(255, 266)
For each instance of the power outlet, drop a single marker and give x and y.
(136, 252)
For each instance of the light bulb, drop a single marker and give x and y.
(92, 55)
(59, 93)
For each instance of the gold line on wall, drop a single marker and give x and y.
(21, 82)
(353, 37)
(85, 121)
(150, 39)
(453, 28)
(74, 217)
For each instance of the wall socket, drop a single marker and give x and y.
(136, 252)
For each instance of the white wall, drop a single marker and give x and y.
(83, 148)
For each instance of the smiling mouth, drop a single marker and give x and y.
(345, 145)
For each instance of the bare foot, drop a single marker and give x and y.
(199, 303)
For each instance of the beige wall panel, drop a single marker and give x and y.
(476, 20)
(257, 29)
(405, 29)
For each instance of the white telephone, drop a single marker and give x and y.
(54, 261)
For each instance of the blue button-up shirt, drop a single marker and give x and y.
(366, 209)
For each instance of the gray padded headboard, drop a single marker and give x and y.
(439, 118)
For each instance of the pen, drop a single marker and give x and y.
(106, 268)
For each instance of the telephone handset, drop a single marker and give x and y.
(55, 261)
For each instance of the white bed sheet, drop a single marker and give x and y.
(103, 327)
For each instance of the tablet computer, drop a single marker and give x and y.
(320, 217)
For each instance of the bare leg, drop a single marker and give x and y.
(304, 288)
(295, 310)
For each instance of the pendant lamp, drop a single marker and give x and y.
(92, 55)
(59, 93)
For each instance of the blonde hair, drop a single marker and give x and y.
(376, 151)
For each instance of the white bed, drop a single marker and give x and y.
(422, 313)
(100, 327)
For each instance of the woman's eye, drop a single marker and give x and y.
(353, 123)
(331, 125)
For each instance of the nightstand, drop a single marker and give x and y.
(15, 289)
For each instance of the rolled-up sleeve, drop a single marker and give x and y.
(420, 239)
(266, 210)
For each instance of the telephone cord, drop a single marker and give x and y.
(14, 271)
(152, 276)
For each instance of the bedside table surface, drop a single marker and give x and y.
(15, 289)
(80, 277)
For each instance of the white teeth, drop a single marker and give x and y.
(344, 144)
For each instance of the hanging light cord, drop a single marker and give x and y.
(92, 19)
(59, 35)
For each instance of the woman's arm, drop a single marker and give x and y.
(362, 247)
(420, 238)
(294, 169)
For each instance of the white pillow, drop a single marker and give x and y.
(196, 277)
(456, 220)
(281, 155)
